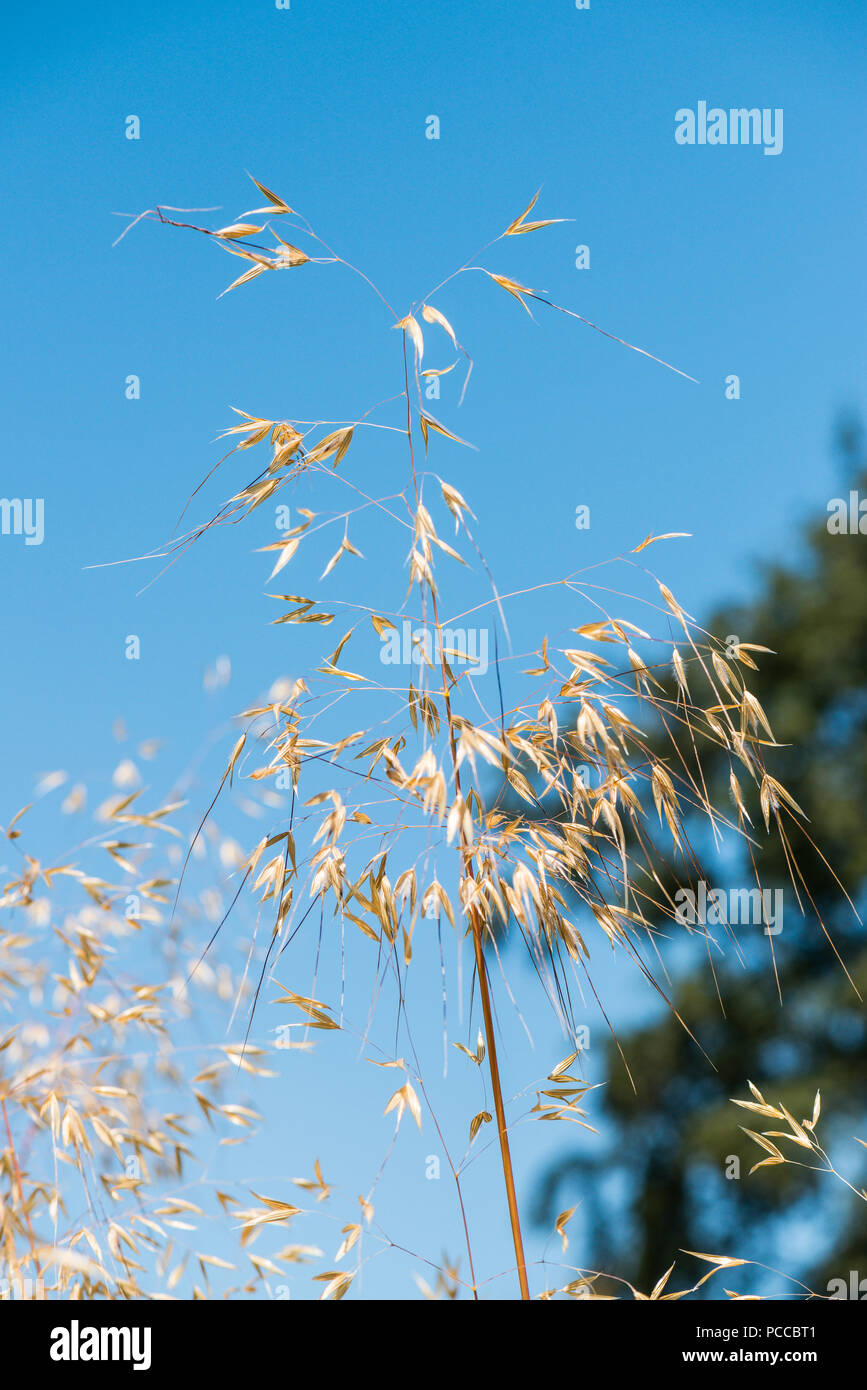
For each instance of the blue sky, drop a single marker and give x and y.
(719, 259)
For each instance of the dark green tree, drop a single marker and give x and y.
(782, 1011)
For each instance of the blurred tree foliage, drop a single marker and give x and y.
(661, 1183)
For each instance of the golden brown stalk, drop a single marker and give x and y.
(24, 1207)
(493, 1066)
(478, 947)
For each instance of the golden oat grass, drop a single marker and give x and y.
(420, 800)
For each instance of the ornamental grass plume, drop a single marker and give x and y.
(405, 799)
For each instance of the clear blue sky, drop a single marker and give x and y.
(719, 259)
